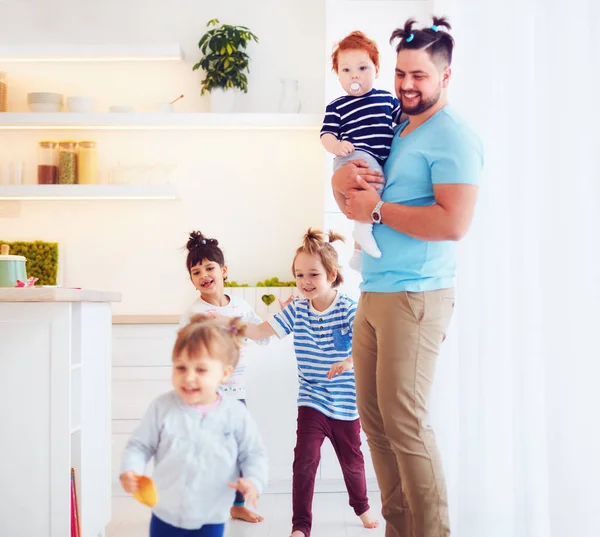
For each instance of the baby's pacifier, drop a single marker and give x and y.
(146, 493)
(355, 86)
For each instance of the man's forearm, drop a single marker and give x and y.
(429, 223)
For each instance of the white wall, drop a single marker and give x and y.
(256, 191)
(291, 42)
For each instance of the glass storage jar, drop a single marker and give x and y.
(67, 163)
(47, 163)
(87, 163)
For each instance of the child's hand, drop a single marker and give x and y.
(343, 148)
(248, 489)
(130, 482)
(282, 304)
(340, 367)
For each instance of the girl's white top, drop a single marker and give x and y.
(237, 307)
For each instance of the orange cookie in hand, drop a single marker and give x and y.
(147, 493)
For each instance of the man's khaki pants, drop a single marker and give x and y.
(396, 343)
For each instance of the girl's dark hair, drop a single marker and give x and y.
(438, 44)
(314, 243)
(200, 248)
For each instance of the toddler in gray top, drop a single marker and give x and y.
(200, 439)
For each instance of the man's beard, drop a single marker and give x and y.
(423, 104)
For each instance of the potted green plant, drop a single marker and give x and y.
(224, 62)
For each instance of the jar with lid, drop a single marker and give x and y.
(67, 163)
(47, 163)
(3, 92)
(87, 163)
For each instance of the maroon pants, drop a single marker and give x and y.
(313, 428)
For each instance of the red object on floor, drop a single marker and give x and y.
(75, 528)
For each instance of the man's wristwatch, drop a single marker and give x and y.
(376, 214)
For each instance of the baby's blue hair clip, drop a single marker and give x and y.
(435, 28)
(203, 241)
(410, 38)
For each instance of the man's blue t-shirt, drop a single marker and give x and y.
(441, 151)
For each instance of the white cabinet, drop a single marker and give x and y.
(55, 415)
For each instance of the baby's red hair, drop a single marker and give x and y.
(356, 41)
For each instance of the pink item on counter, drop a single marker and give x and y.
(29, 283)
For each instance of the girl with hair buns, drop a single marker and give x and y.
(199, 439)
(206, 266)
(322, 326)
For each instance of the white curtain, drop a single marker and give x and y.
(516, 403)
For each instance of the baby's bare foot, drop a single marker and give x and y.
(368, 520)
(297, 533)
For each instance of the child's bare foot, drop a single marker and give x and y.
(368, 520)
(241, 512)
(297, 533)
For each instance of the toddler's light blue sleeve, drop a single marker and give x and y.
(143, 442)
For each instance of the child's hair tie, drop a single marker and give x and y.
(410, 38)
(435, 28)
(203, 241)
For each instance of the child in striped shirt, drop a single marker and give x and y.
(322, 326)
(359, 125)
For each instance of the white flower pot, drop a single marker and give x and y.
(223, 101)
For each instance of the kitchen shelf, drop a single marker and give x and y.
(149, 121)
(87, 192)
(91, 53)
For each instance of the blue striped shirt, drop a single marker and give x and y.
(367, 121)
(321, 339)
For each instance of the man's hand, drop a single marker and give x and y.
(343, 148)
(346, 178)
(360, 203)
(248, 490)
(351, 177)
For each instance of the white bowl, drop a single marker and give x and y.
(45, 107)
(121, 109)
(44, 98)
(80, 105)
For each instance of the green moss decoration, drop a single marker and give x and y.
(273, 282)
(268, 299)
(42, 259)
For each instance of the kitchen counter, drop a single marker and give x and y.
(55, 294)
(55, 385)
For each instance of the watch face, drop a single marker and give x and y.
(376, 217)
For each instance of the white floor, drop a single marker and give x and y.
(332, 517)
